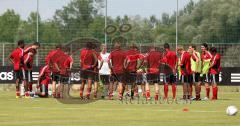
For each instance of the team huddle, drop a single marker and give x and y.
(128, 71)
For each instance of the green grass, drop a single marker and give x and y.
(47, 111)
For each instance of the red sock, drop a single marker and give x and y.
(81, 92)
(207, 91)
(88, 92)
(156, 96)
(214, 90)
(174, 90)
(30, 86)
(148, 94)
(26, 93)
(17, 93)
(58, 95)
(165, 91)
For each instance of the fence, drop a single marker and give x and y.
(229, 52)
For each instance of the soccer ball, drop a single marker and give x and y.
(231, 110)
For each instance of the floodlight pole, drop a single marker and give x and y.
(105, 22)
(37, 30)
(177, 26)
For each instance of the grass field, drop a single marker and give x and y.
(47, 111)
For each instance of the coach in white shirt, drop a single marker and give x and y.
(104, 72)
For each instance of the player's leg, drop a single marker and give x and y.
(172, 81)
(215, 80)
(197, 85)
(18, 77)
(183, 80)
(191, 86)
(43, 91)
(83, 82)
(121, 85)
(89, 84)
(207, 87)
(54, 83)
(156, 85)
(165, 85)
(96, 83)
(25, 83)
(147, 86)
(30, 80)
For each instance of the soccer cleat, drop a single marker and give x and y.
(17, 97)
(26, 96)
(206, 99)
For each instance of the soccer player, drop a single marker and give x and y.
(171, 59)
(88, 61)
(153, 60)
(185, 64)
(206, 57)
(54, 71)
(28, 64)
(116, 65)
(43, 81)
(131, 66)
(215, 68)
(65, 72)
(104, 73)
(16, 58)
(96, 71)
(196, 70)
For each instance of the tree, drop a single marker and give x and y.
(9, 23)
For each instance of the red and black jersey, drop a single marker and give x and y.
(17, 57)
(185, 63)
(117, 58)
(132, 57)
(153, 60)
(216, 64)
(171, 59)
(49, 55)
(87, 58)
(28, 62)
(66, 65)
(44, 75)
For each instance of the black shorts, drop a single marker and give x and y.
(215, 78)
(169, 78)
(153, 78)
(205, 78)
(86, 74)
(96, 77)
(65, 80)
(105, 79)
(195, 77)
(117, 78)
(185, 79)
(56, 77)
(18, 74)
(130, 77)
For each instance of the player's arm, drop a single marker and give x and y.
(214, 61)
(95, 60)
(11, 58)
(126, 62)
(27, 59)
(101, 63)
(110, 63)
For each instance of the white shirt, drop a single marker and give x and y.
(105, 68)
